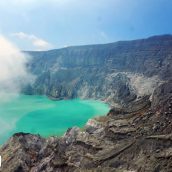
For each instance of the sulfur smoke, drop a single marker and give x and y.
(13, 70)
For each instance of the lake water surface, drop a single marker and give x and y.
(40, 115)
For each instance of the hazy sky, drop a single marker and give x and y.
(46, 24)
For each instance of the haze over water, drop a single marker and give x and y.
(40, 115)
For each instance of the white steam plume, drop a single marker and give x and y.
(13, 76)
(13, 71)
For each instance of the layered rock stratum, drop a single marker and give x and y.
(135, 136)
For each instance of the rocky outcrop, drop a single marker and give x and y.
(130, 139)
(162, 94)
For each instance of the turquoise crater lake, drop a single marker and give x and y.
(40, 115)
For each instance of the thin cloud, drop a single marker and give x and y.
(104, 36)
(38, 43)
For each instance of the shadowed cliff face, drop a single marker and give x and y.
(116, 72)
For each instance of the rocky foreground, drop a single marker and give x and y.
(136, 138)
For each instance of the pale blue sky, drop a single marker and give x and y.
(46, 24)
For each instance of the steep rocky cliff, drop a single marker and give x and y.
(134, 136)
(118, 72)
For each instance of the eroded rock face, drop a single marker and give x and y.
(162, 94)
